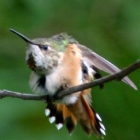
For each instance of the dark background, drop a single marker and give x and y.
(110, 28)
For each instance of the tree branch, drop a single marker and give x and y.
(117, 76)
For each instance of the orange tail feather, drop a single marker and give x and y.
(80, 111)
(60, 114)
(88, 118)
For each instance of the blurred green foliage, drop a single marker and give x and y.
(110, 28)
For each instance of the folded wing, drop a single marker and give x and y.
(92, 58)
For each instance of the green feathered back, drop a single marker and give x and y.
(59, 41)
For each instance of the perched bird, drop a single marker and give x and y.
(60, 62)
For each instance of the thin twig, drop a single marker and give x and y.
(24, 96)
(117, 76)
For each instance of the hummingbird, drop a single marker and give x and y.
(60, 62)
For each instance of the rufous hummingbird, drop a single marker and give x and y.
(60, 62)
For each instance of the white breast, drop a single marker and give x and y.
(52, 84)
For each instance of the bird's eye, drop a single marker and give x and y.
(45, 47)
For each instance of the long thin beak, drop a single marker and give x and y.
(23, 37)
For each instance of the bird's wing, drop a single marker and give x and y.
(93, 58)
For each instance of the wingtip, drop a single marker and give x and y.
(135, 88)
(12, 30)
(130, 83)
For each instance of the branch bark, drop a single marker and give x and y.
(117, 76)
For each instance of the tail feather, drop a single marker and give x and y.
(88, 118)
(94, 118)
(70, 125)
(70, 119)
(62, 115)
(80, 111)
